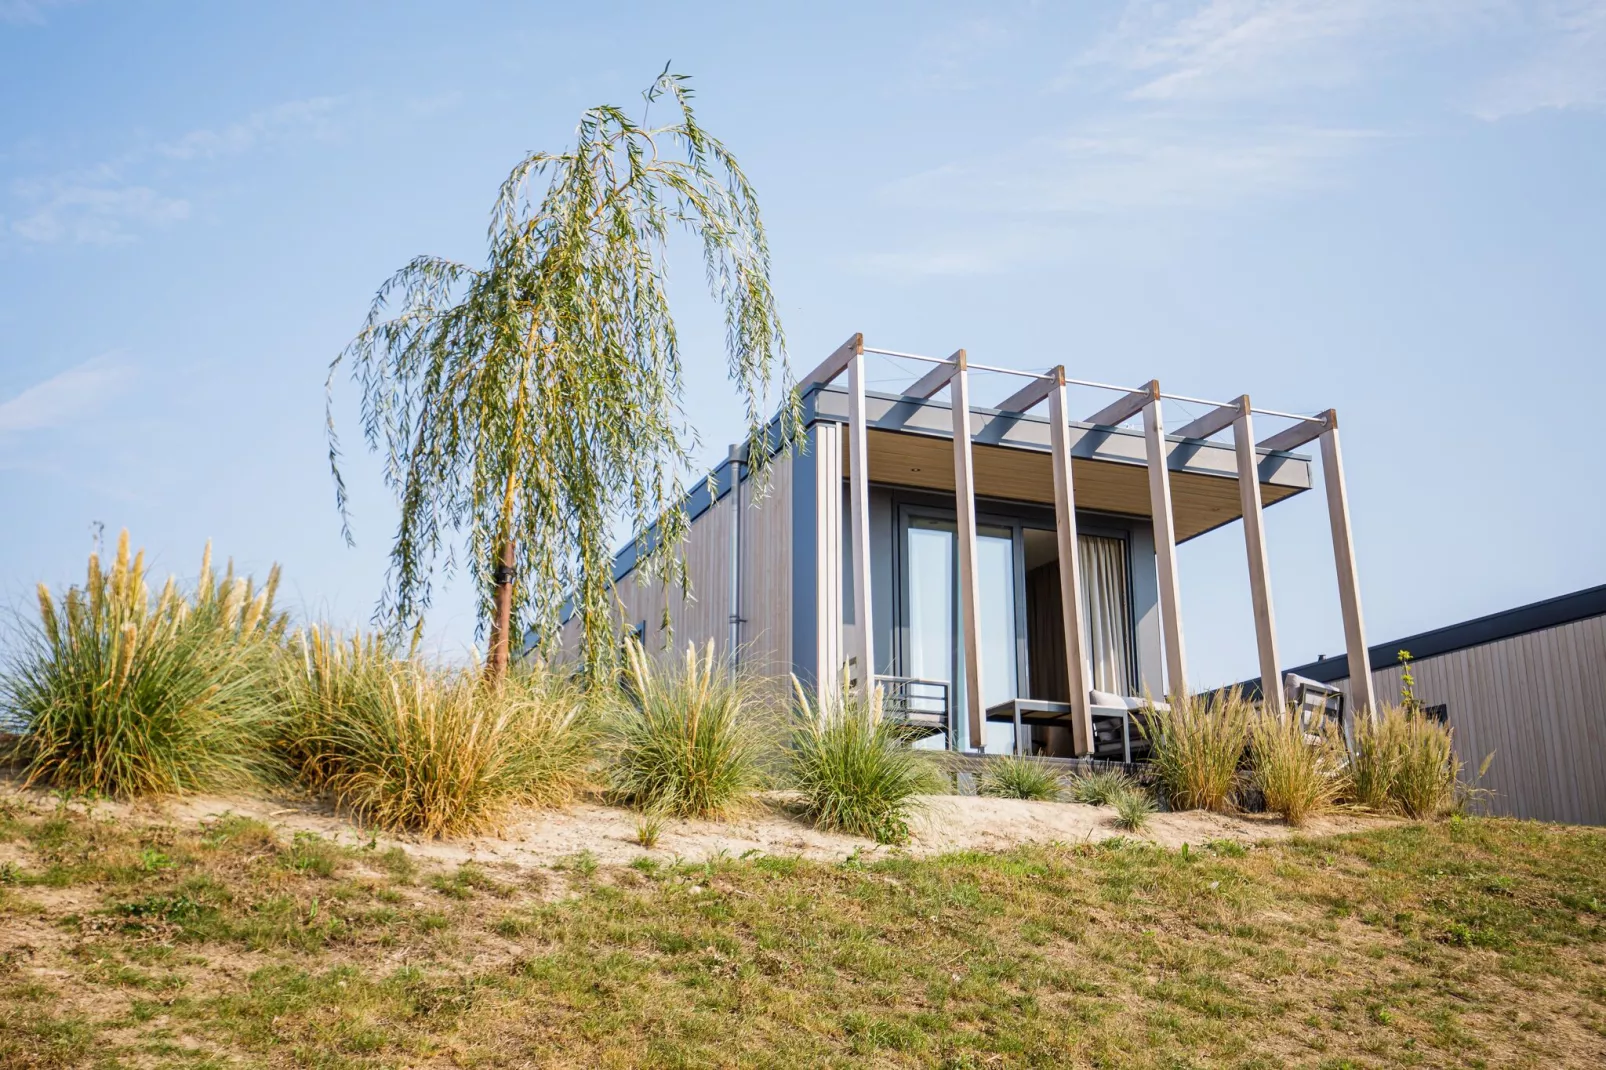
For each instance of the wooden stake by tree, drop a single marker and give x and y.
(534, 403)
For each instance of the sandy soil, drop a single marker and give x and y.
(536, 838)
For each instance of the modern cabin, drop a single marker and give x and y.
(1006, 570)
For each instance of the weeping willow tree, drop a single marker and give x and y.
(528, 409)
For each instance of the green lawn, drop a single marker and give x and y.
(1466, 943)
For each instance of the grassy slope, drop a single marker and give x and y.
(1466, 943)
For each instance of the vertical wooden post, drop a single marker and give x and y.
(863, 650)
(827, 594)
(1076, 667)
(1165, 543)
(1243, 440)
(1362, 694)
(965, 510)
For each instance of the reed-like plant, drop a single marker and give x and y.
(1099, 788)
(121, 695)
(1133, 808)
(1404, 761)
(407, 746)
(685, 740)
(1299, 773)
(1195, 747)
(1019, 777)
(854, 768)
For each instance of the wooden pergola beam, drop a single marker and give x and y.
(835, 364)
(1213, 422)
(969, 564)
(1291, 438)
(1127, 406)
(1362, 693)
(1165, 545)
(1076, 665)
(1243, 438)
(863, 647)
(1033, 392)
(934, 380)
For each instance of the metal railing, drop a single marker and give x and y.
(922, 704)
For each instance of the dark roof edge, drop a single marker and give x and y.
(1506, 624)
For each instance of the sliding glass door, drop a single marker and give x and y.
(934, 636)
(1022, 638)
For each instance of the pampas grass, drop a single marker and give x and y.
(1013, 777)
(1298, 774)
(1406, 762)
(684, 740)
(120, 695)
(407, 746)
(1195, 748)
(855, 770)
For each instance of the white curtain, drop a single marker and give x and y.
(1106, 613)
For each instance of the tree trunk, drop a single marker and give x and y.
(496, 663)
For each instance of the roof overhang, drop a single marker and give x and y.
(910, 445)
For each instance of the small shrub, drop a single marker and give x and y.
(1404, 761)
(1014, 777)
(439, 752)
(1298, 775)
(856, 772)
(1195, 748)
(1099, 788)
(120, 696)
(684, 741)
(1133, 808)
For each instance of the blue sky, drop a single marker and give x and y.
(1391, 207)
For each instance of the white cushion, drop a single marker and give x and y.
(1107, 698)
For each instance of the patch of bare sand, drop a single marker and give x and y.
(944, 823)
(967, 823)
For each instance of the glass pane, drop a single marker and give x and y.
(995, 583)
(931, 607)
(935, 636)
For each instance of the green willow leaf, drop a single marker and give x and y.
(536, 401)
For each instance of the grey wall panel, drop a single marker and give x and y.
(1537, 702)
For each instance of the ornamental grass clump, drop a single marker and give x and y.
(1100, 788)
(1299, 773)
(855, 769)
(1196, 746)
(117, 694)
(1017, 777)
(1133, 808)
(684, 740)
(407, 746)
(1406, 762)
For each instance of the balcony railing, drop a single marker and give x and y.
(924, 706)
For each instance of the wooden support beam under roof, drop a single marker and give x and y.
(1291, 438)
(1127, 406)
(1033, 392)
(934, 380)
(835, 364)
(1214, 421)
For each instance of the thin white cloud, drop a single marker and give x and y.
(92, 215)
(1565, 70)
(313, 118)
(117, 199)
(28, 12)
(1140, 165)
(67, 398)
(1225, 49)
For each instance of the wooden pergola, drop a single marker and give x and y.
(1129, 402)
